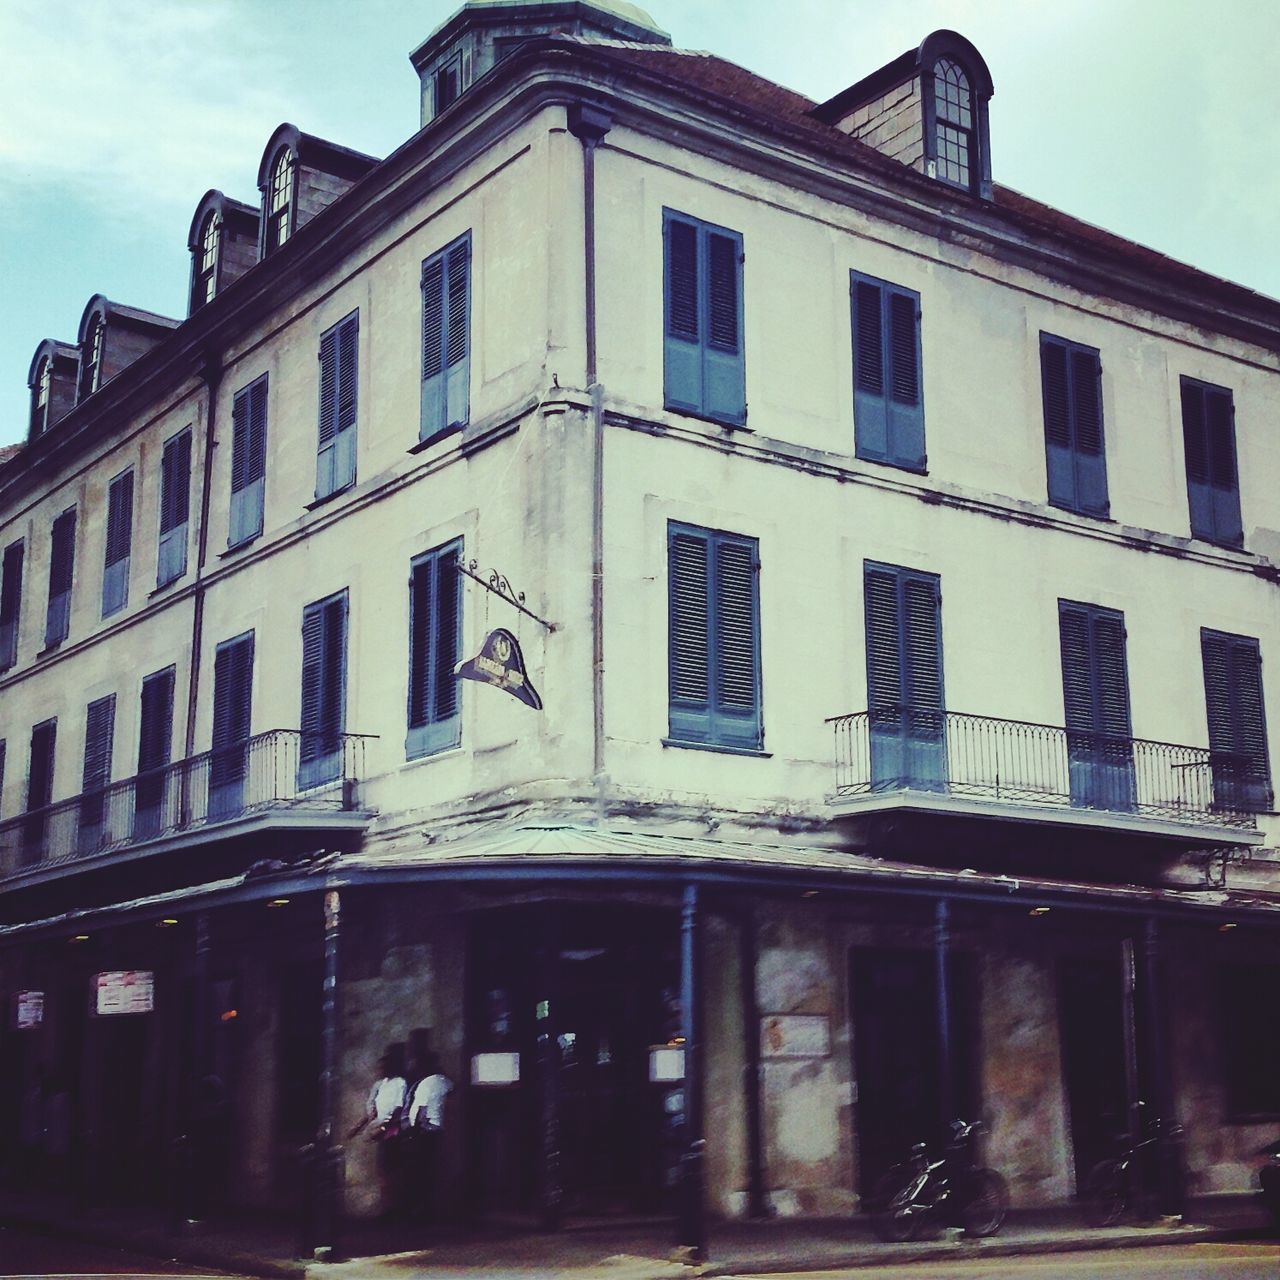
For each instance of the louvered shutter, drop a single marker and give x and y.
(1077, 668)
(448, 600)
(435, 621)
(248, 462)
(339, 372)
(736, 643)
(888, 407)
(433, 337)
(689, 645)
(1250, 721)
(870, 406)
(175, 505)
(1071, 382)
(906, 403)
(724, 372)
(1112, 677)
(1237, 721)
(1220, 435)
(40, 776)
(232, 710)
(99, 732)
(458, 341)
(62, 549)
(1195, 447)
(1090, 454)
(155, 734)
(10, 602)
(884, 649)
(115, 570)
(682, 347)
(324, 680)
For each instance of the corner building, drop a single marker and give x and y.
(894, 561)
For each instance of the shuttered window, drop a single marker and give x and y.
(10, 603)
(248, 462)
(175, 507)
(1071, 382)
(1237, 721)
(39, 789)
(99, 734)
(62, 557)
(435, 642)
(1095, 694)
(2, 750)
(446, 340)
(232, 715)
(339, 376)
(903, 613)
(714, 638)
(155, 736)
(115, 567)
(324, 690)
(1213, 485)
(888, 400)
(703, 363)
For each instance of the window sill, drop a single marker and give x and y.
(436, 436)
(162, 587)
(757, 752)
(49, 648)
(427, 756)
(1104, 516)
(727, 423)
(234, 547)
(328, 497)
(909, 468)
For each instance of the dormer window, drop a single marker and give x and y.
(91, 359)
(40, 399)
(447, 84)
(953, 108)
(205, 284)
(280, 200)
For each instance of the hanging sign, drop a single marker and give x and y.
(795, 1035)
(130, 991)
(501, 664)
(28, 1009)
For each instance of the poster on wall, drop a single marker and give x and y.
(28, 1009)
(795, 1035)
(124, 991)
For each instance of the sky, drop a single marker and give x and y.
(1155, 119)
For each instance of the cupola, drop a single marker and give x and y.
(483, 32)
(224, 244)
(927, 109)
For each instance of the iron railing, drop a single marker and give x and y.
(280, 769)
(898, 748)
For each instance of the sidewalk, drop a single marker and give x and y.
(378, 1251)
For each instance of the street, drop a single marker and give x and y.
(1186, 1262)
(24, 1255)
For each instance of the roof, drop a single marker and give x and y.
(8, 451)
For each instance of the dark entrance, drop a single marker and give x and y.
(897, 1062)
(581, 994)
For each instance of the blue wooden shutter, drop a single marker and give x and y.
(175, 507)
(62, 551)
(1075, 447)
(115, 569)
(435, 642)
(40, 774)
(1213, 489)
(736, 643)
(1196, 450)
(682, 358)
(232, 715)
(689, 646)
(1237, 721)
(446, 340)
(433, 419)
(870, 408)
(1057, 422)
(724, 376)
(99, 733)
(324, 690)
(339, 375)
(10, 603)
(248, 462)
(1090, 450)
(888, 403)
(155, 735)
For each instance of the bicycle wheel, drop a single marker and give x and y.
(988, 1203)
(1105, 1195)
(899, 1217)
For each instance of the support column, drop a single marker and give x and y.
(1170, 1179)
(1128, 996)
(692, 1216)
(942, 981)
(326, 1173)
(550, 1182)
(757, 1203)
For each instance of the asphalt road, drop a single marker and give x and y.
(1185, 1262)
(43, 1256)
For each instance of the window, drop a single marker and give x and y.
(1095, 694)
(446, 344)
(448, 84)
(39, 790)
(62, 554)
(40, 400)
(248, 462)
(98, 734)
(10, 603)
(1213, 487)
(280, 201)
(888, 406)
(232, 716)
(1072, 386)
(155, 733)
(115, 568)
(435, 642)
(1249, 996)
(339, 374)
(956, 140)
(175, 507)
(205, 282)
(324, 690)
(903, 611)
(714, 638)
(703, 364)
(91, 359)
(1237, 721)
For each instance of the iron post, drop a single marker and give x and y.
(692, 1218)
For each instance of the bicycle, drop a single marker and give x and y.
(953, 1187)
(1116, 1185)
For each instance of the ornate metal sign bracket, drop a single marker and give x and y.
(500, 585)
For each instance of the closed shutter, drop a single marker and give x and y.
(1213, 490)
(1077, 667)
(1237, 720)
(98, 737)
(1071, 384)
(885, 676)
(339, 375)
(232, 711)
(62, 550)
(446, 340)
(888, 407)
(2, 750)
(175, 507)
(155, 736)
(248, 462)
(324, 687)
(115, 571)
(10, 602)
(435, 640)
(40, 775)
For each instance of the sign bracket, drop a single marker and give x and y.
(500, 585)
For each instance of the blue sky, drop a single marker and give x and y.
(1153, 118)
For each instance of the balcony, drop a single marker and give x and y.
(909, 759)
(278, 780)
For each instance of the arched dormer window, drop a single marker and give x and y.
(205, 284)
(40, 396)
(91, 359)
(955, 139)
(280, 200)
(955, 88)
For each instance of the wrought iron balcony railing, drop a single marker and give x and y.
(280, 769)
(898, 748)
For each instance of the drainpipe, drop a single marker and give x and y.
(589, 125)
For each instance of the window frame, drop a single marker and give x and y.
(90, 377)
(246, 512)
(445, 391)
(431, 728)
(1088, 490)
(280, 215)
(41, 394)
(338, 418)
(1214, 512)
(1246, 782)
(207, 261)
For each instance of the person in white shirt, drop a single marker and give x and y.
(426, 1127)
(383, 1118)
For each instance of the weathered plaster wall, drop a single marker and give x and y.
(726, 1080)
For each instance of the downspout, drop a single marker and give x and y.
(211, 373)
(589, 125)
